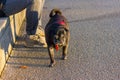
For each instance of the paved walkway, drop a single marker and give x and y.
(94, 51)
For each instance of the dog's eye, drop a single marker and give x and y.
(56, 36)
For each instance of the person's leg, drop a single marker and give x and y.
(33, 16)
(40, 31)
(33, 21)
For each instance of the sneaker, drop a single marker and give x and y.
(40, 31)
(31, 40)
(41, 35)
(43, 41)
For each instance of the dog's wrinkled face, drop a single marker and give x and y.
(60, 37)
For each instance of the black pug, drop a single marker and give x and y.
(57, 34)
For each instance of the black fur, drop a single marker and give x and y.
(57, 33)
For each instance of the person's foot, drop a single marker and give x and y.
(37, 40)
(31, 40)
(41, 35)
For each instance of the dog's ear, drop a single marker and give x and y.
(54, 12)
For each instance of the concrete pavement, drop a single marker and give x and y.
(94, 51)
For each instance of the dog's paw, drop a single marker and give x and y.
(52, 64)
(64, 57)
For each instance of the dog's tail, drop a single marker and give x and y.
(55, 12)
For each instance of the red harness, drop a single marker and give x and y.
(61, 22)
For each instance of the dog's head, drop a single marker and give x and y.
(60, 37)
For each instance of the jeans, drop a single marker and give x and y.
(33, 12)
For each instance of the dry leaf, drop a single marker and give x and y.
(23, 67)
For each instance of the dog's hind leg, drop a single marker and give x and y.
(51, 54)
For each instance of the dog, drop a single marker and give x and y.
(57, 35)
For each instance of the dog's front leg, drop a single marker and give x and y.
(65, 47)
(51, 54)
(64, 54)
